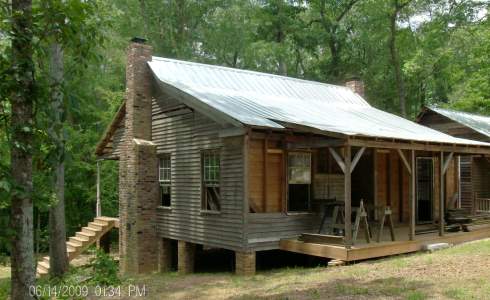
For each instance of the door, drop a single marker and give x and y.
(425, 188)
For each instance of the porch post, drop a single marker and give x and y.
(347, 195)
(98, 208)
(411, 233)
(441, 193)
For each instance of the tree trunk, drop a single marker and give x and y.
(22, 254)
(58, 260)
(38, 231)
(282, 68)
(395, 60)
(335, 61)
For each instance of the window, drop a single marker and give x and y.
(211, 181)
(299, 181)
(164, 177)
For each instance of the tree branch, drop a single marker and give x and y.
(347, 9)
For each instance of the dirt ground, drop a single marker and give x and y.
(461, 272)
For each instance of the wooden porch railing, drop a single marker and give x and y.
(482, 204)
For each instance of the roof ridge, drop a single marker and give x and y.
(248, 72)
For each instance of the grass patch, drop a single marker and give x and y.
(458, 294)
(4, 282)
(417, 295)
(348, 290)
(475, 247)
(4, 288)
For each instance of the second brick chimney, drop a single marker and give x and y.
(356, 85)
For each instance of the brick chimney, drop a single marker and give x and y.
(356, 85)
(138, 178)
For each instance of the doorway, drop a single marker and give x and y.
(425, 190)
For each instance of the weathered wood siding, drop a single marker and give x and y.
(267, 197)
(114, 146)
(266, 177)
(392, 184)
(184, 134)
(117, 140)
(264, 230)
(481, 177)
(327, 186)
(466, 184)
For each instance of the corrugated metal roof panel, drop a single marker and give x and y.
(478, 123)
(266, 100)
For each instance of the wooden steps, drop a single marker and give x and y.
(82, 240)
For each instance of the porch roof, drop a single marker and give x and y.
(276, 102)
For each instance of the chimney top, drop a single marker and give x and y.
(138, 40)
(356, 85)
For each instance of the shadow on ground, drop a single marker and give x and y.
(220, 260)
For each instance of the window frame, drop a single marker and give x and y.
(214, 181)
(288, 183)
(166, 182)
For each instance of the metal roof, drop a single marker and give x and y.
(266, 100)
(478, 123)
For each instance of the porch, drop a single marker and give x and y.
(415, 185)
(319, 244)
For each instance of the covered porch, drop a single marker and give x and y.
(405, 192)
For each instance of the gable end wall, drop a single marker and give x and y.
(183, 133)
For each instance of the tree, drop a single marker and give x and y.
(329, 15)
(170, 26)
(58, 262)
(22, 100)
(277, 19)
(70, 25)
(397, 6)
(226, 33)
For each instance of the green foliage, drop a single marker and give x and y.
(105, 270)
(444, 53)
(4, 288)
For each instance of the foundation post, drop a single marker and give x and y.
(164, 255)
(245, 263)
(186, 257)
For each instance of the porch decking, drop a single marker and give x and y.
(362, 250)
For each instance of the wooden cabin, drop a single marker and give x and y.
(247, 161)
(473, 170)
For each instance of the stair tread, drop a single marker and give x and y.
(71, 244)
(79, 239)
(86, 234)
(95, 227)
(101, 222)
(106, 218)
(43, 264)
(42, 272)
